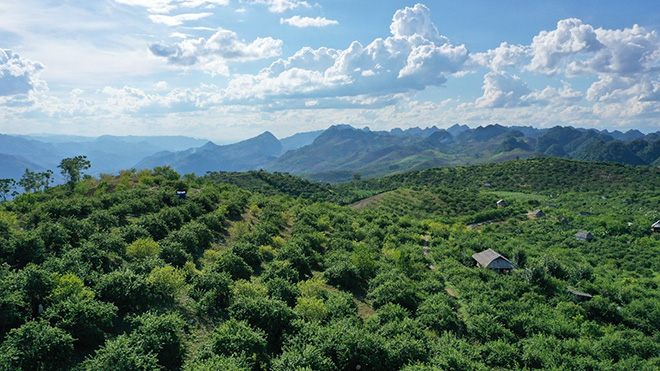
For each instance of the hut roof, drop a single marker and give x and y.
(584, 235)
(537, 213)
(656, 224)
(492, 259)
(578, 293)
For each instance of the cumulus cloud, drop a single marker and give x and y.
(177, 19)
(298, 21)
(502, 57)
(624, 61)
(624, 52)
(212, 54)
(571, 37)
(576, 49)
(409, 21)
(502, 90)
(414, 57)
(18, 75)
(165, 6)
(281, 6)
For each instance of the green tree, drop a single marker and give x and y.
(36, 346)
(72, 168)
(166, 282)
(121, 354)
(161, 335)
(237, 338)
(212, 290)
(142, 248)
(30, 181)
(6, 185)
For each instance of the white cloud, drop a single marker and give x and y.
(502, 90)
(414, 57)
(177, 19)
(298, 21)
(212, 54)
(165, 6)
(624, 52)
(280, 6)
(571, 37)
(162, 85)
(18, 75)
(502, 57)
(408, 22)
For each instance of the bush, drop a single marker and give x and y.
(142, 248)
(36, 346)
(232, 264)
(213, 291)
(166, 282)
(238, 339)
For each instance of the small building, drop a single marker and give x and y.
(493, 261)
(655, 228)
(579, 296)
(536, 214)
(182, 195)
(584, 236)
(585, 213)
(501, 203)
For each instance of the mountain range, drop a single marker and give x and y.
(335, 154)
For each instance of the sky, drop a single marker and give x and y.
(231, 69)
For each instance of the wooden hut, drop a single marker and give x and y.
(655, 228)
(536, 214)
(584, 236)
(492, 260)
(579, 296)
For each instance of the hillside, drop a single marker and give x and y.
(121, 273)
(541, 174)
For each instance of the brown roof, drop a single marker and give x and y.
(491, 259)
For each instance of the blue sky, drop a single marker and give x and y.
(231, 69)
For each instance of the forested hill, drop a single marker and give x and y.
(531, 175)
(125, 273)
(538, 174)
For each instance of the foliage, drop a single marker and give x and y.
(126, 275)
(142, 248)
(36, 346)
(72, 168)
